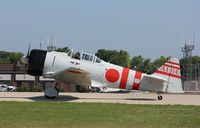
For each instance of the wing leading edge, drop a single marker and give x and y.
(72, 76)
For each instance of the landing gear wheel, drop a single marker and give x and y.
(50, 97)
(51, 93)
(160, 97)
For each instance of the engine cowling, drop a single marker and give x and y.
(36, 62)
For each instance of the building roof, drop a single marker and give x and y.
(21, 77)
(19, 69)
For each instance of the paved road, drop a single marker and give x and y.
(127, 98)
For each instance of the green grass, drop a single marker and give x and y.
(90, 115)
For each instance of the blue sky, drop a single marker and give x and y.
(150, 28)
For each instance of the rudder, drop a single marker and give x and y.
(171, 72)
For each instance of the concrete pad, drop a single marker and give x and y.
(126, 98)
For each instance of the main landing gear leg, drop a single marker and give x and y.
(51, 92)
(159, 96)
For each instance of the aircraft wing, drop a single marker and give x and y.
(74, 76)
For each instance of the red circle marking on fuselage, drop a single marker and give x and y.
(112, 75)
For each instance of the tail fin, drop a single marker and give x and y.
(171, 72)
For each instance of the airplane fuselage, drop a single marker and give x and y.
(101, 73)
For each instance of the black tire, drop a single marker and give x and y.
(50, 97)
(160, 97)
(98, 89)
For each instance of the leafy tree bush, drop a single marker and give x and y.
(145, 65)
(121, 57)
(10, 57)
(64, 49)
(28, 89)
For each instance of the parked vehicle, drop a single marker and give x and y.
(11, 88)
(3, 88)
(6, 88)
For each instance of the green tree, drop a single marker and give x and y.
(160, 61)
(137, 62)
(195, 59)
(145, 65)
(15, 57)
(4, 57)
(64, 49)
(10, 57)
(190, 68)
(120, 58)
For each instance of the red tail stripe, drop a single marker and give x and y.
(135, 86)
(138, 75)
(173, 63)
(168, 74)
(171, 66)
(124, 78)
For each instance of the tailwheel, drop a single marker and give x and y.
(51, 92)
(160, 97)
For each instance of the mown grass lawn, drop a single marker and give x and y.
(90, 115)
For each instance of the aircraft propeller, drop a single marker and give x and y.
(25, 59)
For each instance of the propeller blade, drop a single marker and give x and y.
(27, 55)
(25, 59)
(25, 70)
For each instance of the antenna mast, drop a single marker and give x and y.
(187, 70)
(51, 44)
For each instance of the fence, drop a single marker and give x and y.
(191, 77)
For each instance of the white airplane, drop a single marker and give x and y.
(89, 70)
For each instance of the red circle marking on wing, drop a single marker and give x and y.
(112, 75)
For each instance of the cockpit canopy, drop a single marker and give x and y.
(90, 57)
(84, 56)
